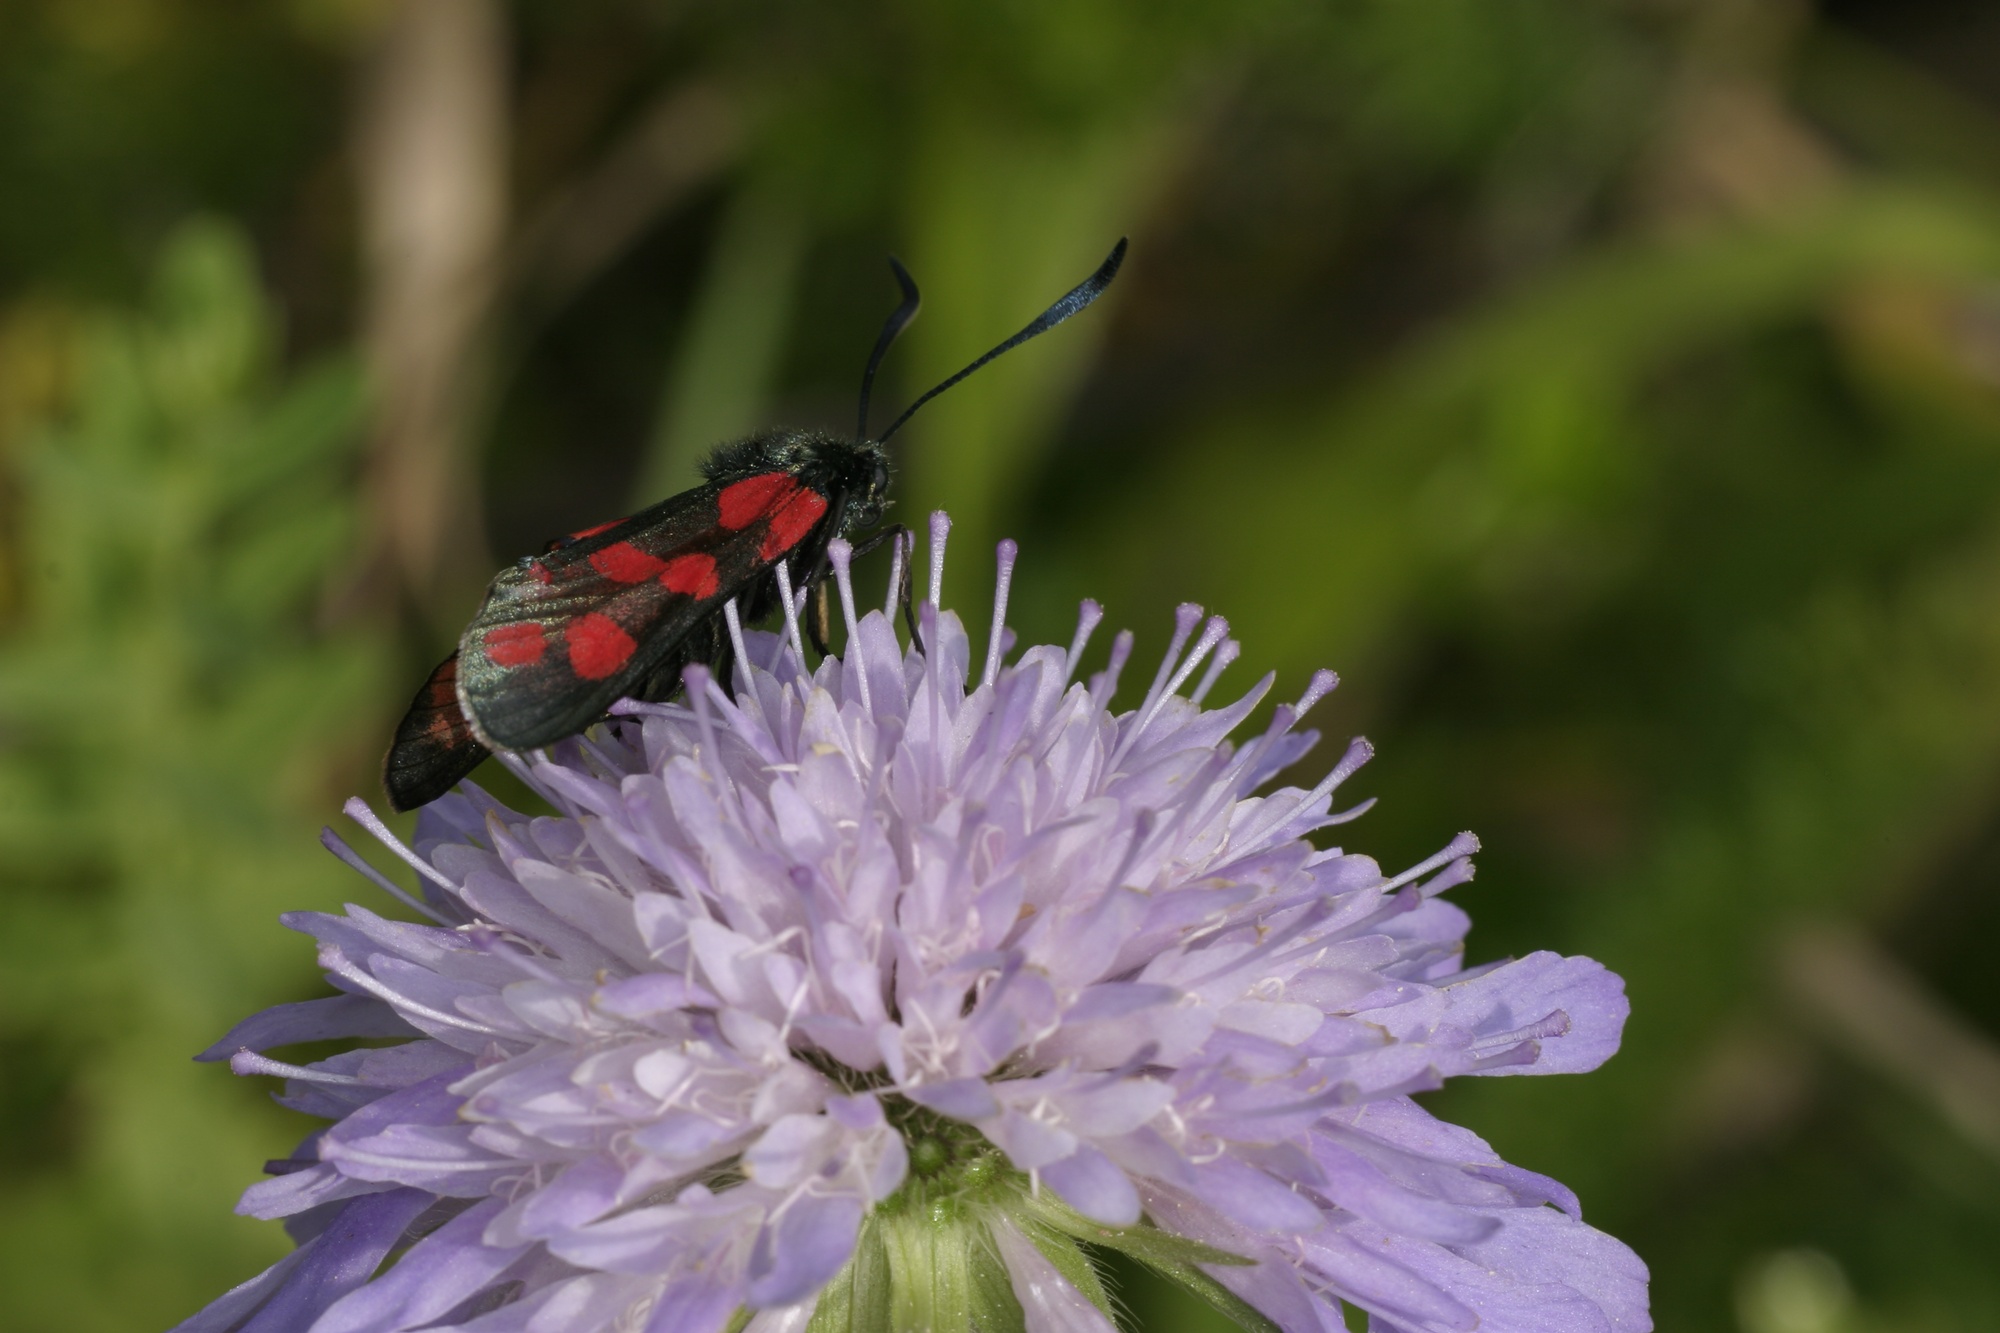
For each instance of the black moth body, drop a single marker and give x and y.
(622, 609)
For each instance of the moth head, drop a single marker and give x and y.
(871, 496)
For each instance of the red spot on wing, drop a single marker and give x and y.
(514, 645)
(622, 562)
(597, 647)
(540, 572)
(441, 690)
(743, 503)
(592, 532)
(792, 521)
(691, 574)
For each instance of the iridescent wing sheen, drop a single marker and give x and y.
(564, 634)
(434, 745)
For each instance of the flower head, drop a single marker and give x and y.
(872, 990)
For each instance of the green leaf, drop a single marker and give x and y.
(1176, 1258)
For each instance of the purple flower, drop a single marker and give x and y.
(873, 990)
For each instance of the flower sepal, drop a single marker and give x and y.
(1174, 1257)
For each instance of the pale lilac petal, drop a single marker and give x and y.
(698, 1304)
(228, 1310)
(311, 1020)
(338, 1260)
(803, 1250)
(583, 1304)
(1089, 1182)
(1540, 1245)
(442, 1270)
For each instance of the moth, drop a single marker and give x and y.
(620, 610)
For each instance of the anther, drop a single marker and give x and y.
(841, 552)
(1227, 653)
(695, 680)
(897, 556)
(1465, 844)
(334, 843)
(1323, 683)
(1003, 582)
(1211, 635)
(1359, 752)
(358, 811)
(1088, 617)
(1105, 683)
(735, 619)
(1186, 616)
(940, 529)
(792, 635)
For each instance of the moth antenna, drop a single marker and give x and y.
(898, 319)
(1077, 299)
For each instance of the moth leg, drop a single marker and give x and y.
(819, 618)
(903, 585)
(876, 538)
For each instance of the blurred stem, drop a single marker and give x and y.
(1004, 221)
(728, 357)
(1884, 1016)
(431, 148)
(679, 143)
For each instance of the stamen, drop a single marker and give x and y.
(1211, 635)
(1227, 653)
(757, 737)
(1003, 582)
(1323, 683)
(940, 529)
(897, 556)
(352, 859)
(247, 1061)
(334, 961)
(1465, 844)
(735, 619)
(1186, 616)
(1554, 1023)
(841, 552)
(792, 635)
(358, 811)
(1458, 872)
(1105, 683)
(1088, 617)
(695, 681)
(1359, 752)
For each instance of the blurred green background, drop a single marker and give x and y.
(1610, 389)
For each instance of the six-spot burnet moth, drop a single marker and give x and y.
(621, 609)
